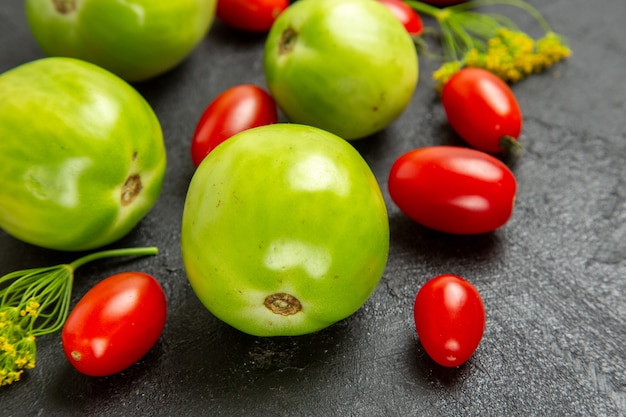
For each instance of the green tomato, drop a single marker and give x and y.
(135, 39)
(346, 66)
(82, 157)
(284, 230)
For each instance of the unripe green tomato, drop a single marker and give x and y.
(135, 39)
(345, 66)
(284, 230)
(82, 157)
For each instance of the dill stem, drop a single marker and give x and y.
(149, 250)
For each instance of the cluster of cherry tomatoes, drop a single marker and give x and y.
(463, 191)
(458, 190)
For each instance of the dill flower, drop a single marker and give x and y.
(549, 50)
(35, 302)
(510, 55)
(492, 42)
(17, 348)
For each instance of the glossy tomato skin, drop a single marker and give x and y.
(82, 157)
(250, 15)
(407, 16)
(449, 319)
(348, 67)
(238, 108)
(115, 324)
(284, 230)
(481, 108)
(453, 189)
(135, 39)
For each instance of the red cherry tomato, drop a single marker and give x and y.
(234, 110)
(453, 189)
(407, 16)
(449, 318)
(115, 324)
(482, 109)
(250, 15)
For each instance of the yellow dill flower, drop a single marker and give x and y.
(15, 355)
(491, 42)
(510, 55)
(9, 377)
(519, 47)
(8, 349)
(26, 352)
(516, 41)
(551, 49)
(30, 308)
(443, 74)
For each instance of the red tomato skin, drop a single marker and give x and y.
(449, 319)
(236, 109)
(115, 324)
(453, 189)
(250, 15)
(481, 108)
(407, 16)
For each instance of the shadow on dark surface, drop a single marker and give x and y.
(252, 371)
(37, 256)
(226, 350)
(220, 35)
(373, 148)
(428, 371)
(74, 392)
(230, 36)
(407, 235)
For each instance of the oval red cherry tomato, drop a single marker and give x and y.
(250, 15)
(407, 16)
(234, 110)
(449, 318)
(453, 189)
(482, 109)
(115, 324)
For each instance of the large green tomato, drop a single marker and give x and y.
(82, 157)
(284, 230)
(135, 39)
(346, 66)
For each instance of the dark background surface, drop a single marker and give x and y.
(553, 279)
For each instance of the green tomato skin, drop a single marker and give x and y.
(73, 134)
(348, 67)
(284, 209)
(135, 39)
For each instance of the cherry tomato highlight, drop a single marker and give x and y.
(482, 109)
(406, 15)
(449, 319)
(236, 109)
(250, 15)
(115, 324)
(453, 189)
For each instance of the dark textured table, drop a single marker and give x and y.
(553, 279)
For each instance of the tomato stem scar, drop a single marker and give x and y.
(64, 6)
(287, 41)
(131, 189)
(283, 304)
